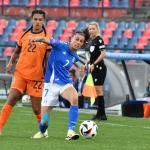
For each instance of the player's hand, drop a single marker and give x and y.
(9, 68)
(86, 65)
(36, 39)
(92, 67)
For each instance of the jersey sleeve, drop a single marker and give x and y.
(56, 42)
(101, 44)
(48, 47)
(19, 42)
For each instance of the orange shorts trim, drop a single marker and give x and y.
(31, 87)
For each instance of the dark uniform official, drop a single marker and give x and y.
(96, 48)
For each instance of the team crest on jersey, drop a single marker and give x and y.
(100, 41)
(92, 48)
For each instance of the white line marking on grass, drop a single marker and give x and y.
(123, 125)
(26, 111)
(87, 111)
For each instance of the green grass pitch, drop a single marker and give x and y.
(118, 133)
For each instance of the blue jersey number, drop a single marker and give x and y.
(67, 62)
(46, 91)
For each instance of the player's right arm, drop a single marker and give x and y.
(13, 59)
(40, 39)
(49, 41)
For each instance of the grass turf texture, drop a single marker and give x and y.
(118, 133)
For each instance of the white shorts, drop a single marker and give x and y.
(51, 92)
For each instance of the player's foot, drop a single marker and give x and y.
(71, 135)
(40, 135)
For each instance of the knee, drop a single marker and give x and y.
(74, 101)
(36, 110)
(12, 100)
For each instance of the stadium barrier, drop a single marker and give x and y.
(5, 79)
(132, 108)
(127, 56)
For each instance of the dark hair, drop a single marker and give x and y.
(81, 33)
(78, 32)
(38, 12)
(86, 32)
(33, 13)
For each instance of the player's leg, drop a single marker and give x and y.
(99, 78)
(43, 125)
(49, 99)
(34, 89)
(13, 97)
(71, 95)
(36, 106)
(46, 111)
(16, 90)
(100, 115)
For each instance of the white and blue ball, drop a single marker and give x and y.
(25, 99)
(88, 129)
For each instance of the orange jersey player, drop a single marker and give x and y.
(30, 62)
(29, 75)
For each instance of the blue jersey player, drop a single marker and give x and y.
(58, 82)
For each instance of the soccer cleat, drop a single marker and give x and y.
(40, 135)
(71, 135)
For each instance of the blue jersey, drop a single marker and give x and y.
(59, 63)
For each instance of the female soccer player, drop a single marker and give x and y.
(96, 48)
(28, 76)
(58, 82)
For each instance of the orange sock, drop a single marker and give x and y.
(5, 112)
(38, 117)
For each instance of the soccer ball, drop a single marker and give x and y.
(88, 129)
(25, 99)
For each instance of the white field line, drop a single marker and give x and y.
(86, 111)
(123, 125)
(28, 112)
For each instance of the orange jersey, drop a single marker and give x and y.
(31, 58)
